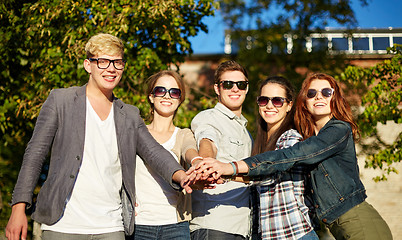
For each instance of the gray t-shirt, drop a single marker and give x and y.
(225, 208)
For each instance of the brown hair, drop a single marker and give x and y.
(340, 108)
(262, 143)
(228, 66)
(151, 82)
(103, 43)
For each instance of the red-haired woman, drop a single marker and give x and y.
(324, 119)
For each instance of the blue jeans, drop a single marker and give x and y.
(179, 231)
(209, 234)
(310, 236)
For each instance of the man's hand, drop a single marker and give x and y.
(17, 225)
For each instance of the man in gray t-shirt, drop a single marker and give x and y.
(223, 212)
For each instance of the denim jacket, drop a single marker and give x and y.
(331, 156)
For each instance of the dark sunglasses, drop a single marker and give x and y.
(174, 93)
(242, 85)
(326, 92)
(276, 101)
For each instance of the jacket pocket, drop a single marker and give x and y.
(330, 188)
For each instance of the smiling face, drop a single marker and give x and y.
(232, 98)
(319, 106)
(272, 115)
(103, 79)
(165, 106)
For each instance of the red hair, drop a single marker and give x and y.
(340, 108)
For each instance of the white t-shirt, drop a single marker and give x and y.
(95, 205)
(156, 199)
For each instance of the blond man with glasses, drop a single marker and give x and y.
(90, 191)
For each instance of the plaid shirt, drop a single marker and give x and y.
(283, 212)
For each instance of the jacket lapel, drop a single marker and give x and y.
(120, 122)
(79, 113)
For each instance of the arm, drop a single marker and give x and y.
(207, 148)
(187, 146)
(192, 156)
(332, 139)
(211, 165)
(36, 152)
(34, 157)
(184, 179)
(206, 134)
(17, 224)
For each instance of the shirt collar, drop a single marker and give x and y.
(226, 111)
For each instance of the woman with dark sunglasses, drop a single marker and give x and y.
(325, 120)
(283, 213)
(162, 212)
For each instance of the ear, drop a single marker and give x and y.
(290, 104)
(217, 90)
(87, 65)
(151, 98)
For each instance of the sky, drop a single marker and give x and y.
(378, 14)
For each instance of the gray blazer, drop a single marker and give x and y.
(61, 127)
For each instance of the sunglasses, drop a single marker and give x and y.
(276, 101)
(174, 93)
(325, 92)
(241, 85)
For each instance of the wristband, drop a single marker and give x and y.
(234, 168)
(195, 158)
(237, 167)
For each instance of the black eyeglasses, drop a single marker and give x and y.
(174, 93)
(104, 63)
(326, 92)
(242, 85)
(276, 101)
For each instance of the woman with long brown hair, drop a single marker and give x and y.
(324, 118)
(283, 213)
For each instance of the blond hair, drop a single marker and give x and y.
(103, 43)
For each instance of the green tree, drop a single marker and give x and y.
(381, 90)
(42, 47)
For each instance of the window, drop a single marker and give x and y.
(361, 43)
(380, 43)
(320, 44)
(398, 40)
(340, 44)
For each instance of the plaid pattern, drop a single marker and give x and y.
(283, 212)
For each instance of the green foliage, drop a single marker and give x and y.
(381, 91)
(42, 48)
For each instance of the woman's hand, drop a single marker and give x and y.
(212, 168)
